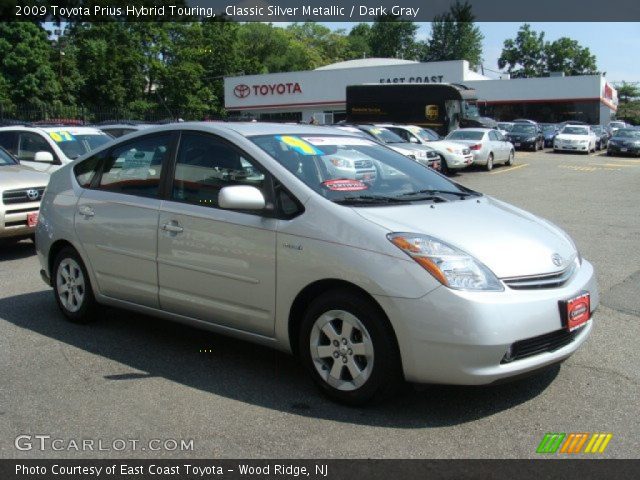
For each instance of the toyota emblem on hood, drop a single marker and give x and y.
(242, 90)
(556, 259)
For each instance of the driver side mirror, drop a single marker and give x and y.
(413, 139)
(241, 197)
(43, 156)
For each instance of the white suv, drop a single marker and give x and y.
(48, 148)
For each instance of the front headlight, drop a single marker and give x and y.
(342, 162)
(449, 265)
(531, 139)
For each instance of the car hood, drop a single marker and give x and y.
(522, 135)
(18, 176)
(508, 240)
(414, 147)
(565, 136)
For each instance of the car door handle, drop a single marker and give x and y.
(172, 228)
(86, 211)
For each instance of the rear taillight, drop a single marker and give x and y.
(475, 147)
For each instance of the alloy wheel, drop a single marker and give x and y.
(70, 284)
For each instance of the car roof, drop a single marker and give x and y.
(71, 128)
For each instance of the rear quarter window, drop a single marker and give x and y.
(86, 170)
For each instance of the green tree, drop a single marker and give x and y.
(358, 39)
(111, 58)
(330, 46)
(28, 77)
(524, 56)
(391, 37)
(454, 36)
(627, 91)
(566, 55)
(265, 48)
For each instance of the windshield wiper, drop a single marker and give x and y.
(445, 192)
(370, 199)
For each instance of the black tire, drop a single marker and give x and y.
(444, 168)
(385, 376)
(512, 155)
(88, 307)
(489, 165)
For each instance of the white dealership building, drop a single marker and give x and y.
(320, 93)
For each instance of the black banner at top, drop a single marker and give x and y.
(318, 10)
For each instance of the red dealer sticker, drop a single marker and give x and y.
(345, 185)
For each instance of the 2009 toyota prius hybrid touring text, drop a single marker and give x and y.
(370, 267)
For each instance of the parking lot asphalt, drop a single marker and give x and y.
(128, 376)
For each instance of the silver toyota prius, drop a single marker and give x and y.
(369, 280)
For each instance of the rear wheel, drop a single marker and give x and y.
(72, 287)
(349, 348)
(489, 166)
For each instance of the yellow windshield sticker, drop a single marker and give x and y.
(298, 145)
(61, 136)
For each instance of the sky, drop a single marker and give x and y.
(615, 45)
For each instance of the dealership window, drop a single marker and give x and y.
(205, 164)
(586, 111)
(281, 117)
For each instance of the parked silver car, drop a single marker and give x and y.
(487, 145)
(21, 190)
(241, 229)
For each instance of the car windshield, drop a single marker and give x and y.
(548, 128)
(523, 128)
(465, 135)
(385, 135)
(6, 159)
(575, 131)
(505, 126)
(425, 135)
(617, 124)
(627, 133)
(73, 144)
(357, 171)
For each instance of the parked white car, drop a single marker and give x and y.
(241, 229)
(575, 138)
(453, 156)
(487, 145)
(48, 148)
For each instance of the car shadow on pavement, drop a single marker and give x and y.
(249, 373)
(16, 251)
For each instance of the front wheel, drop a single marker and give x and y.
(349, 348)
(444, 168)
(511, 158)
(489, 166)
(72, 287)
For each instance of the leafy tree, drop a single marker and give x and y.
(111, 58)
(25, 63)
(627, 91)
(524, 56)
(530, 56)
(330, 46)
(358, 39)
(566, 55)
(392, 37)
(454, 36)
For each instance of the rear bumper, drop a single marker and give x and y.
(457, 337)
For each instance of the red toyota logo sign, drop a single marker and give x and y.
(241, 91)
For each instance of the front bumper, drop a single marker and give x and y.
(565, 147)
(523, 144)
(455, 337)
(623, 150)
(13, 219)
